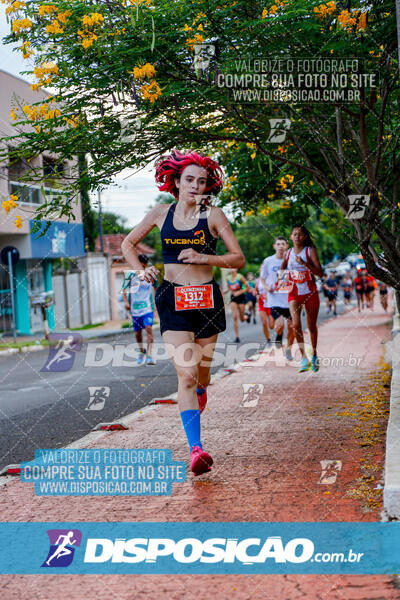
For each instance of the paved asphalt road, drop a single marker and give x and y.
(49, 409)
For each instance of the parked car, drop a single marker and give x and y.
(353, 258)
(342, 268)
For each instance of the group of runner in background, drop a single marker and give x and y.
(364, 285)
(273, 304)
(271, 298)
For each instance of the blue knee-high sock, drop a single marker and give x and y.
(191, 424)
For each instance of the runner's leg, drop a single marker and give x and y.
(149, 339)
(279, 325)
(312, 309)
(290, 333)
(207, 347)
(186, 354)
(139, 339)
(295, 310)
(264, 323)
(242, 311)
(235, 316)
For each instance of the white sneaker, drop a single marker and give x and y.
(141, 358)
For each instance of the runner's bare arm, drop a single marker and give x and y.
(137, 234)
(313, 264)
(125, 295)
(244, 280)
(219, 225)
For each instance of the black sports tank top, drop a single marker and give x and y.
(174, 240)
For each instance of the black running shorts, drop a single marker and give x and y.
(278, 311)
(204, 322)
(241, 299)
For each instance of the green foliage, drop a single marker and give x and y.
(333, 149)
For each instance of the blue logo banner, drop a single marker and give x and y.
(61, 239)
(195, 548)
(103, 472)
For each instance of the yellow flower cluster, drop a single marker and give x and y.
(26, 50)
(19, 24)
(43, 111)
(55, 27)
(140, 2)
(286, 181)
(63, 16)
(92, 19)
(274, 8)
(118, 32)
(354, 18)
(147, 71)
(196, 38)
(46, 9)
(15, 7)
(11, 204)
(282, 149)
(324, 10)
(88, 36)
(249, 213)
(13, 115)
(285, 204)
(151, 91)
(44, 74)
(74, 122)
(266, 210)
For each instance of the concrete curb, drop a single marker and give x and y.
(391, 492)
(85, 336)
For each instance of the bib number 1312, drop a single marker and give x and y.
(192, 297)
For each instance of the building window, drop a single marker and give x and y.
(32, 194)
(52, 168)
(26, 193)
(18, 168)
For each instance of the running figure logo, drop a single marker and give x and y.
(202, 55)
(62, 355)
(98, 397)
(251, 394)
(357, 206)
(330, 470)
(62, 547)
(203, 205)
(279, 129)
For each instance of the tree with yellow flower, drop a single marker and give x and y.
(130, 59)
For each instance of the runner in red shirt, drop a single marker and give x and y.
(360, 290)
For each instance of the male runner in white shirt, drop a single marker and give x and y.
(277, 301)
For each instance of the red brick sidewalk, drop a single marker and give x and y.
(267, 468)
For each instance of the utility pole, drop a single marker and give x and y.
(100, 222)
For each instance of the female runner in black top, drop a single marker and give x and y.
(189, 302)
